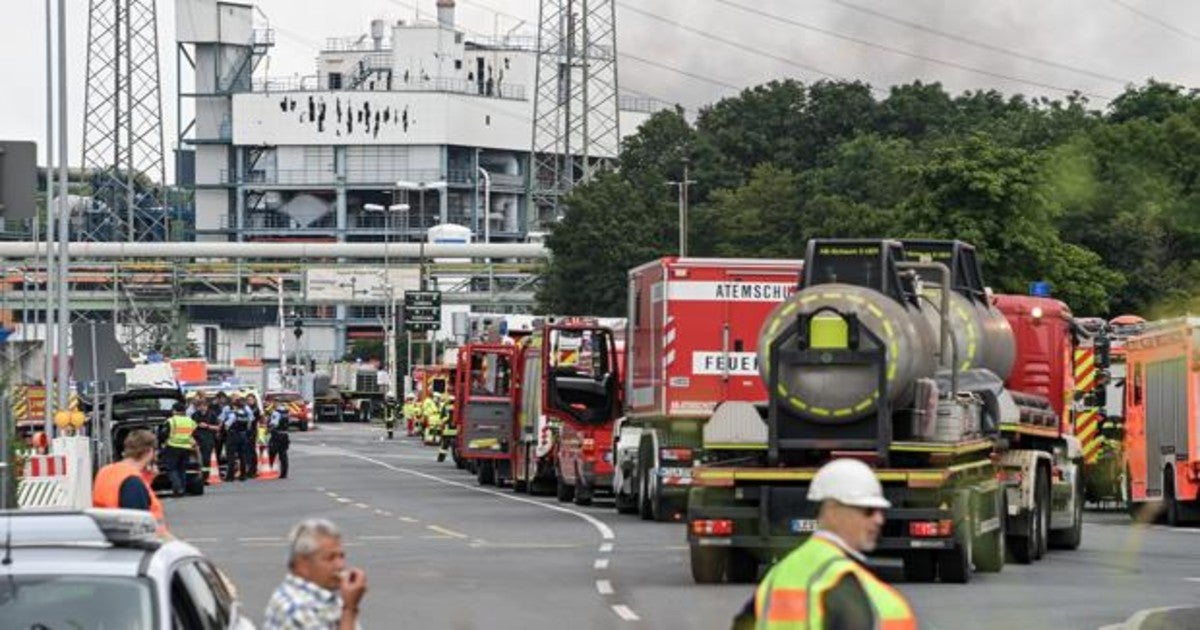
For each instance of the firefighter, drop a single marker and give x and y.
(449, 429)
(825, 582)
(390, 411)
(433, 420)
(411, 409)
(278, 444)
(429, 410)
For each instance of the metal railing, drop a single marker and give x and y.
(505, 42)
(383, 177)
(644, 104)
(311, 83)
(263, 37)
(361, 43)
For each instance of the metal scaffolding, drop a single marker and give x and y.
(576, 127)
(122, 125)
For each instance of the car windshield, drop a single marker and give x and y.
(134, 405)
(101, 603)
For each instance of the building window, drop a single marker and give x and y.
(335, 80)
(210, 344)
(458, 64)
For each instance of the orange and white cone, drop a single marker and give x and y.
(265, 469)
(214, 470)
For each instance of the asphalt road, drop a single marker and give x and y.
(442, 552)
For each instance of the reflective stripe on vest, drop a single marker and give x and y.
(793, 593)
(106, 489)
(182, 428)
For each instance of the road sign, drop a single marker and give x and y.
(422, 310)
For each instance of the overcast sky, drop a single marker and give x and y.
(1027, 46)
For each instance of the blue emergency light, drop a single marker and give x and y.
(1041, 288)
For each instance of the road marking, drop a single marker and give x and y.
(606, 548)
(436, 537)
(448, 532)
(320, 489)
(604, 587)
(332, 495)
(605, 531)
(625, 613)
(344, 500)
(407, 519)
(1191, 579)
(600, 564)
(361, 506)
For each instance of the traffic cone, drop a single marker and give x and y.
(214, 470)
(265, 469)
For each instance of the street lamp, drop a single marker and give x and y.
(422, 187)
(389, 328)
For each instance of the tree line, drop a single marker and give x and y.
(1104, 204)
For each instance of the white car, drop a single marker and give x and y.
(106, 569)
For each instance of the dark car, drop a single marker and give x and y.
(144, 408)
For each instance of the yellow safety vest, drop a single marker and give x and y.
(182, 428)
(410, 410)
(429, 409)
(793, 593)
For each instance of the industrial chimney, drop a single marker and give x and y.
(377, 28)
(445, 10)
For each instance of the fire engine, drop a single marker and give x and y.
(1161, 404)
(692, 342)
(895, 353)
(540, 411)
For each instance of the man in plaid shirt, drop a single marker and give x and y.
(318, 592)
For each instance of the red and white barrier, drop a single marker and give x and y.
(62, 479)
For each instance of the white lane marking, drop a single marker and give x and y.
(361, 506)
(436, 537)
(379, 511)
(332, 495)
(606, 532)
(625, 613)
(320, 489)
(606, 548)
(448, 532)
(344, 500)
(407, 519)
(600, 564)
(1191, 579)
(604, 587)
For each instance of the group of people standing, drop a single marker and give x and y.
(234, 424)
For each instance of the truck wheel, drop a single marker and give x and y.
(519, 486)
(583, 492)
(643, 478)
(486, 474)
(1070, 537)
(1170, 508)
(708, 564)
(919, 567)
(459, 462)
(954, 566)
(989, 550)
(195, 485)
(1043, 522)
(741, 566)
(625, 503)
(1023, 545)
(564, 492)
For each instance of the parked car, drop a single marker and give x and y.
(300, 413)
(141, 408)
(107, 569)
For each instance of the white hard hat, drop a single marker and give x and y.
(849, 482)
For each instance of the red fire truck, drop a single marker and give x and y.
(1162, 401)
(692, 344)
(542, 409)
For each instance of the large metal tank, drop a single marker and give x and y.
(981, 334)
(844, 393)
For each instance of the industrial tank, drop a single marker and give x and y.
(835, 393)
(982, 337)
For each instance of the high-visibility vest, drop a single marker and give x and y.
(792, 594)
(410, 410)
(429, 409)
(106, 489)
(182, 430)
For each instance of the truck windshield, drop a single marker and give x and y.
(582, 374)
(491, 375)
(34, 601)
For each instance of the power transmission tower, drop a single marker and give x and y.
(122, 124)
(576, 128)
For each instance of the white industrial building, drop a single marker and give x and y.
(411, 131)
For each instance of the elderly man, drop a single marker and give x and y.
(825, 583)
(319, 591)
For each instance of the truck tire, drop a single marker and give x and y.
(919, 567)
(708, 564)
(741, 566)
(486, 473)
(194, 485)
(1023, 545)
(1043, 502)
(954, 565)
(643, 480)
(459, 462)
(989, 551)
(625, 503)
(1170, 504)
(563, 492)
(583, 492)
(1071, 537)
(519, 486)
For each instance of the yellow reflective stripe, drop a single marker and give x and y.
(727, 446)
(955, 448)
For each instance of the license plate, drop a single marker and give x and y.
(804, 525)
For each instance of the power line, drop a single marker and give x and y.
(1155, 20)
(897, 51)
(978, 44)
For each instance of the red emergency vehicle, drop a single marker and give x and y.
(692, 344)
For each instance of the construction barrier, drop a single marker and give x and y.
(61, 479)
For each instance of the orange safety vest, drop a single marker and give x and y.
(106, 490)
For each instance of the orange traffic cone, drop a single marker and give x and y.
(214, 470)
(265, 469)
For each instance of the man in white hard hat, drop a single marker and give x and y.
(825, 582)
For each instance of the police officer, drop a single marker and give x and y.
(207, 427)
(180, 444)
(237, 438)
(279, 441)
(825, 583)
(257, 436)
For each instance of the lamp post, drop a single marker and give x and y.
(421, 187)
(389, 311)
